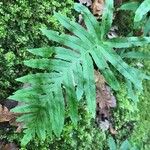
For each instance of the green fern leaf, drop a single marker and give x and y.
(38, 78)
(125, 145)
(46, 64)
(79, 80)
(71, 96)
(90, 21)
(44, 51)
(103, 66)
(68, 72)
(129, 6)
(107, 18)
(27, 137)
(147, 27)
(122, 67)
(25, 97)
(75, 28)
(142, 10)
(57, 110)
(64, 39)
(26, 117)
(111, 143)
(26, 108)
(89, 85)
(132, 94)
(136, 55)
(127, 42)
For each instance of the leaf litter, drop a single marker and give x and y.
(7, 116)
(105, 101)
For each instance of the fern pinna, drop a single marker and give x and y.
(69, 72)
(139, 9)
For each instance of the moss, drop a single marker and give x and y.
(19, 29)
(132, 119)
(125, 115)
(141, 134)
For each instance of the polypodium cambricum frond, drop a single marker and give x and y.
(69, 72)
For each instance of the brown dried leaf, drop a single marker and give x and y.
(98, 7)
(10, 146)
(105, 100)
(104, 97)
(19, 125)
(7, 116)
(112, 130)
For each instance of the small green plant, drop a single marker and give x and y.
(68, 73)
(125, 145)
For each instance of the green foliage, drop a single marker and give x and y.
(140, 11)
(132, 120)
(136, 55)
(86, 136)
(125, 115)
(19, 29)
(141, 133)
(129, 6)
(147, 27)
(125, 145)
(112, 144)
(70, 72)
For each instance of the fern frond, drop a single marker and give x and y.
(39, 78)
(69, 72)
